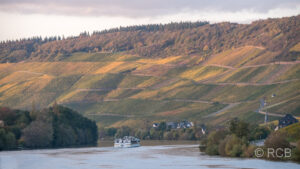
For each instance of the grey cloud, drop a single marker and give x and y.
(139, 8)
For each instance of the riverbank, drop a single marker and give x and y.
(237, 141)
(160, 156)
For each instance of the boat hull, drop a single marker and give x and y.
(126, 145)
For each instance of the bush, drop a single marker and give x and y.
(222, 146)
(168, 135)
(123, 131)
(249, 151)
(216, 136)
(230, 148)
(277, 140)
(7, 140)
(296, 155)
(213, 141)
(258, 133)
(142, 134)
(239, 128)
(110, 131)
(212, 149)
(236, 151)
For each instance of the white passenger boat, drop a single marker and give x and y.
(127, 141)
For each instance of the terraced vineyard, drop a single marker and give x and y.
(152, 89)
(117, 88)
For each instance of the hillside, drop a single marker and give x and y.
(196, 71)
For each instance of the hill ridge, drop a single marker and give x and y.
(189, 73)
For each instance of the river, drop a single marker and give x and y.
(148, 156)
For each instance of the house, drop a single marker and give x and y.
(172, 125)
(155, 125)
(203, 129)
(175, 125)
(185, 124)
(287, 120)
(1, 123)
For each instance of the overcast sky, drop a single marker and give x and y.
(27, 18)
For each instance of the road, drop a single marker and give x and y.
(248, 83)
(258, 65)
(271, 114)
(231, 105)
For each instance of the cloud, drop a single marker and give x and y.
(140, 8)
(70, 17)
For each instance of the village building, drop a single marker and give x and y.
(155, 125)
(1, 123)
(172, 125)
(176, 125)
(203, 129)
(185, 124)
(287, 120)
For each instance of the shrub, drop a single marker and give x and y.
(222, 146)
(277, 140)
(248, 151)
(231, 148)
(213, 141)
(296, 155)
(216, 136)
(239, 128)
(168, 135)
(7, 140)
(258, 133)
(236, 150)
(212, 149)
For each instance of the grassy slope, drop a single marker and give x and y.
(116, 87)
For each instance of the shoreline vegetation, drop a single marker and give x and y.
(147, 132)
(61, 127)
(237, 140)
(53, 127)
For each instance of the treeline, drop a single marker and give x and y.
(52, 127)
(157, 40)
(162, 132)
(236, 139)
(153, 27)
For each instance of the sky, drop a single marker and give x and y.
(28, 18)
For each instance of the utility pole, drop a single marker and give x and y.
(266, 114)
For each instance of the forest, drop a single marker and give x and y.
(52, 127)
(157, 40)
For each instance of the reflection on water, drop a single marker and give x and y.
(159, 156)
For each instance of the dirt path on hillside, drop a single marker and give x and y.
(193, 101)
(35, 73)
(263, 111)
(248, 83)
(108, 89)
(258, 65)
(271, 114)
(231, 105)
(111, 114)
(165, 83)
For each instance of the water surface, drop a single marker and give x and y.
(159, 156)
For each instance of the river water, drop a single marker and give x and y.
(152, 157)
